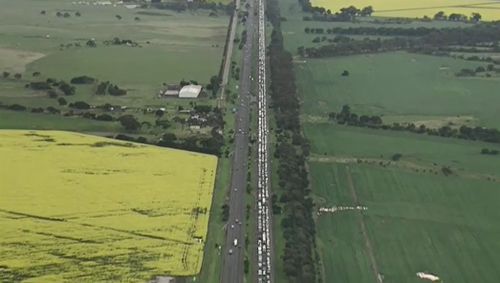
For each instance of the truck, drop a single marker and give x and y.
(235, 242)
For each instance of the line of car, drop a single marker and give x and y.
(264, 271)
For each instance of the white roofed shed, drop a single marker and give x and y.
(190, 91)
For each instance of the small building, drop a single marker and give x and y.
(190, 91)
(170, 90)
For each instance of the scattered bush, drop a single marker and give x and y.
(79, 105)
(396, 157)
(62, 101)
(16, 107)
(489, 151)
(40, 86)
(129, 122)
(116, 91)
(104, 117)
(82, 80)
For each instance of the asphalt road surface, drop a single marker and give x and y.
(234, 250)
(264, 214)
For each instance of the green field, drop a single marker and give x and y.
(402, 85)
(414, 223)
(171, 47)
(417, 218)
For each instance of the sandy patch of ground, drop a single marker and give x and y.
(456, 121)
(434, 169)
(12, 60)
(432, 122)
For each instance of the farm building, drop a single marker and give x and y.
(170, 90)
(190, 91)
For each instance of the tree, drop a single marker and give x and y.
(91, 43)
(79, 105)
(118, 17)
(102, 88)
(366, 11)
(475, 17)
(18, 76)
(5, 74)
(43, 12)
(168, 139)
(396, 156)
(66, 88)
(137, 19)
(78, 14)
(159, 113)
(345, 73)
(36, 74)
(62, 101)
(349, 12)
(16, 107)
(116, 91)
(129, 122)
(164, 124)
(104, 117)
(82, 80)
(440, 16)
(457, 17)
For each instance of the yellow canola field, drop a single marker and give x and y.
(489, 9)
(79, 208)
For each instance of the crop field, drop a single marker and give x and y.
(413, 223)
(489, 9)
(88, 209)
(391, 204)
(417, 219)
(402, 87)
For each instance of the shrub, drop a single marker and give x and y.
(129, 122)
(16, 107)
(40, 85)
(116, 91)
(82, 80)
(66, 88)
(53, 110)
(102, 88)
(396, 157)
(62, 101)
(104, 117)
(80, 105)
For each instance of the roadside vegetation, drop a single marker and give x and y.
(292, 199)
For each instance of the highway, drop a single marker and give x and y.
(234, 250)
(264, 214)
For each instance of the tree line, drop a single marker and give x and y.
(346, 117)
(383, 31)
(485, 35)
(291, 150)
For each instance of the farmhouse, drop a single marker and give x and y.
(190, 91)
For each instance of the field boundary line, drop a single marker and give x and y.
(368, 244)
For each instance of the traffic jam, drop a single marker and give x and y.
(263, 216)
